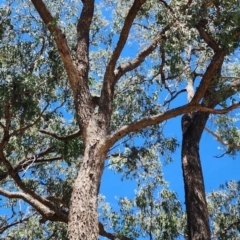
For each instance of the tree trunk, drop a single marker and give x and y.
(83, 215)
(195, 199)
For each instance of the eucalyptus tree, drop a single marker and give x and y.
(80, 82)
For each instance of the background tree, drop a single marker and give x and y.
(80, 83)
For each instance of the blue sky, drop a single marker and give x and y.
(216, 171)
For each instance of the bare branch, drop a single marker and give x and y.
(173, 96)
(21, 166)
(62, 138)
(60, 40)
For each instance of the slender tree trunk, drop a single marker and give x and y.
(83, 215)
(195, 199)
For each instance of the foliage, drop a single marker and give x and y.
(40, 135)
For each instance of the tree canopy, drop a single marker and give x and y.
(88, 86)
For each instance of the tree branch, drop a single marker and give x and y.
(205, 36)
(166, 5)
(110, 236)
(220, 139)
(41, 208)
(4, 228)
(42, 201)
(22, 129)
(62, 138)
(134, 63)
(124, 35)
(23, 164)
(60, 40)
(212, 71)
(83, 30)
(159, 118)
(109, 76)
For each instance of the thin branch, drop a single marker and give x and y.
(221, 140)
(224, 231)
(109, 76)
(22, 129)
(4, 228)
(62, 138)
(7, 116)
(26, 163)
(173, 96)
(38, 158)
(57, 200)
(231, 225)
(134, 63)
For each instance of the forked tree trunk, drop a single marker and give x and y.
(195, 199)
(83, 215)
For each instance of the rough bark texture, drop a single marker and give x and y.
(83, 219)
(195, 199)
(83, 216)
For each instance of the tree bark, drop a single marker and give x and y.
(195, 199)
(83, 215)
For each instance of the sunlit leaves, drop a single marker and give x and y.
(224, 210)
(35, 96)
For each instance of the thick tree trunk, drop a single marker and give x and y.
(195, 199)
(83, 215)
